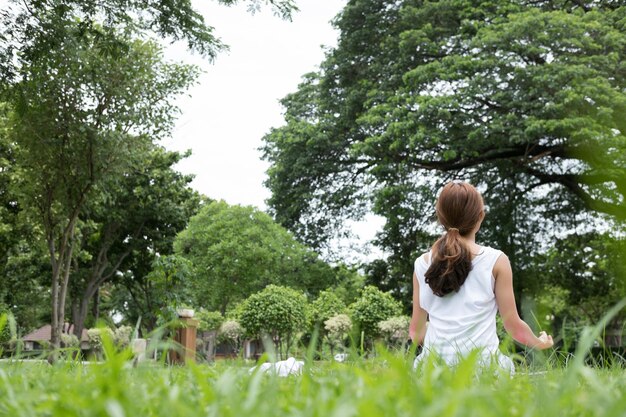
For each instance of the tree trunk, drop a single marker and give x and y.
(99, 275)
(83, 309)
(95, 307)
(79, 321)
(64, 285)
(60, 278)
(55, 335)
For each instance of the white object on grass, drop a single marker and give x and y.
(341, 357)
(282, 368)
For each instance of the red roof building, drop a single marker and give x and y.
(43, 335)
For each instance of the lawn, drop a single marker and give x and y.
(384, 386)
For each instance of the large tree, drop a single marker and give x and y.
(137, 216)
(84, 113)
(522, 98)
(236, 251)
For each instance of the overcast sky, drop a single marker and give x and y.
(236, 100)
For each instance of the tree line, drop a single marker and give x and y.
(525, 99)
(89, 198)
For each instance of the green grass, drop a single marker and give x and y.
(385, 386)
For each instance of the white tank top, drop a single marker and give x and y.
(465, 320)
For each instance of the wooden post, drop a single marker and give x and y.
(186, 337)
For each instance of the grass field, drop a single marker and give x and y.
(385, 385)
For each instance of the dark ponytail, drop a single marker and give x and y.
(459, 209)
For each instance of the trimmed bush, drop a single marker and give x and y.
(337, 329)
(277, 312)
(372, 307)
(326, 305)
(395, 330)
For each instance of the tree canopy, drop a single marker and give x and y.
(417, 93)
(237, 251)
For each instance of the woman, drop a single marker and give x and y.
(459, 286)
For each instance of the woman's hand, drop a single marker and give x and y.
(545, 341)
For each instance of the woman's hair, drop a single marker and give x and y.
(459, 209)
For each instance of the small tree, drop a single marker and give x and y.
(337, 329)
(209, 320)
(5, 333)
(69, 341)
(209, 324)
(395, 330)
(326, 305)
(372, 307)
(277, 312)
(71, 344)
(8, 329)
(231, 332)
(122, 336)
(96, 337)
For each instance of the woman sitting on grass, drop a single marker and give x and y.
(459, 286)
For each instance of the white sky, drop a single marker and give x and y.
(236, 100)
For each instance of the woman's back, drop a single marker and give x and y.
(462, 288)
(465, 320)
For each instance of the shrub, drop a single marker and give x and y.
(337, 329)
(278, 312)
(395, 330)
(326, 305)
(69, 340)
(231, 331)
(122, 336)
(5, 327)
(372, 307)
(97, 334)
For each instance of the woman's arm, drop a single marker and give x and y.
(514, 325)
(417, 328)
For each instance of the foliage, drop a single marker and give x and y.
(237, 251)
(372, 307)
(35, 27)
(7, 333)
(87, 98)
(395, 330)
(122, 336)
(337, 330)
(418, 93)
(127, 231)
(121, 92)
(167, 289)
(69, 340)
(232, 333)
(349, 280)
(209, 320)
(326, 305)
(23, 263)
(97, 335)
(277, 312)
(582, 277)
